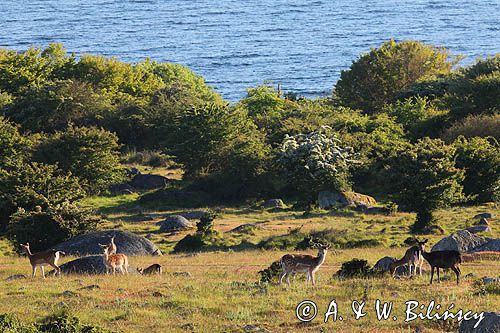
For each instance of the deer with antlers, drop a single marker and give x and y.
(413, 258)
(303, 263)
(43, 258)
(114, 261)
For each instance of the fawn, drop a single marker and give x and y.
(43, 258)
(413, 258)
(153, 269)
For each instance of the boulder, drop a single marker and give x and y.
(273, 203)
(126, 242)
(384, 263)
(491, 245)
(16, 277)
(462, 241)
(117, 189)
(483, 215)
(244, 228)
(329, 199)
(478, 228)
(482, 221)
(175, 223)
(89, 265)
(489, 324)
(194, 215)
(148, 181)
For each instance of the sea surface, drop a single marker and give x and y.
(235, 45)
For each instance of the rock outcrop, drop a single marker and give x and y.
(329, 199)
(175, 223)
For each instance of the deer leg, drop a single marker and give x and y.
(58, 270)
(43, 271)
(313, 278)
(457, 272)
(437, 269)
(122, 268)
(288, 279)
(282, 276)
(432, 273)
(34, 271)
(410, 266)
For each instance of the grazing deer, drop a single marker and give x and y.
(113, 261)
(295, 263)
(153, 269)
(413, 258)
(444, 259)
(44, 258)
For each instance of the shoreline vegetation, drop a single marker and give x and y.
(405, 146)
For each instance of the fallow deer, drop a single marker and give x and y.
(153, 269)
(303, 263)
(444, 259)
(114, 261)
(413, 258)
(43, 258)
(112, 246)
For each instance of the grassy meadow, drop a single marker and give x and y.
(221, 293)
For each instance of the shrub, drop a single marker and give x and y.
(270, 273)
(376, 78)
(205, 236)
(64, 322)
(315, 161)
(471, 126)
(14, 148)
(424, 178)
(91, 154)
(152, 158)
(480, 158)
(29, 185)
(9, 323)
(43, 229)
(357, 268)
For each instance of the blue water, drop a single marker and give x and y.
(303, 45)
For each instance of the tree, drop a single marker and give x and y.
(14, 148)
(315, 161)
(32, 184)
(89, 153)
(480, 158)
(376, 78)
(424, 178)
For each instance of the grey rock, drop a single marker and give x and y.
(16, 277)
(254, 328)
(329, 199)
(90, 265)
(183, 274)
(194, 215)
(148, 181)
(492, 244)
(117, 189)
(126, 243)
(462, 241)
(273, 203)
(244, 227)
(489, 324)
(478, 228)
(489, 280)
(175, 223)
(483, 215)
(69, 293)
(90, 287)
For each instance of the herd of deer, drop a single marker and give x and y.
(112, 261)
(290, 263)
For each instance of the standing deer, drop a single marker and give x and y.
(44, 258)
(413, 258)
(153, 269)
(114, 261)
(296, 263)
(444, 259)
(112, 246)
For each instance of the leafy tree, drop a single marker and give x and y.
(89, 153)
(315, 161)
(14, 148)
(44, 229)
(32, 184)
(425, 178)
(376, 78)
(480, 158)
(56, 104)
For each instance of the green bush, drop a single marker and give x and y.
(270, 273)
(64, 322)
(9, 323)
(44, 229)
(376, 78)
(91, 154)
(425, 178)
(14, 148)
(32, 184)
(471, 126)
(480, 158)
(315, 161)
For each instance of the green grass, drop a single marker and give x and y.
(222, 294)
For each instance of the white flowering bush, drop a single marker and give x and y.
(315, 161)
